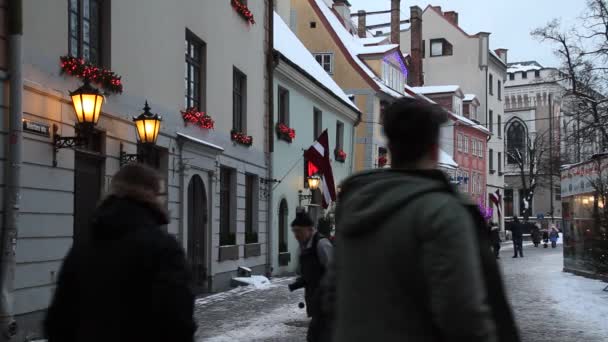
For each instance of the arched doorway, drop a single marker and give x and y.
(197, 229)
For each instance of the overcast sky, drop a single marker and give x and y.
(509, 21)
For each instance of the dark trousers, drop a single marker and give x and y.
(518, 247)
(319, 329)
(496, 249)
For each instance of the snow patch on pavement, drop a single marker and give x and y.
(259, 282)
(241, 290)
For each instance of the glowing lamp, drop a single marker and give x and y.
(314, 182)
(147, 125)
(87, 103)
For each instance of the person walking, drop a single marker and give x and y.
(316, 254)
(535, 235)
(413, 260)
(553, 236)
(517, 231)
(545, 238)
(495, 239)
(129, 281)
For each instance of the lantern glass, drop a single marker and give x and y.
(87, 103)
(314, 182)
(148, 126)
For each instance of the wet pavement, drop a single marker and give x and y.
(549, 305)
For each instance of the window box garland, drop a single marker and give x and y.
(243, 11)
(285, 133)
(201, 119)
(241, 138)
(340, 155)
(78, 67)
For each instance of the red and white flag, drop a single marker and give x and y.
(318, 155)
(497, 200)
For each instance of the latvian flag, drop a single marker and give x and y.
(318, 156)
(496, 198)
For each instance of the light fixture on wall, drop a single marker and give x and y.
(147, 126)
(87, 102)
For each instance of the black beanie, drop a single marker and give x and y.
(302, 220)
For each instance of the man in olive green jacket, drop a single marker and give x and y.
(413, 262)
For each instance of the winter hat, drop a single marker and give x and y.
(302, 220)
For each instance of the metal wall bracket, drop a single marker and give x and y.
(266, 187)
(60, 142)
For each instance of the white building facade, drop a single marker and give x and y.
(170, 55)
(308, 101)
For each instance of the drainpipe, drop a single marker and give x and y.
(270, 65)
(8, 242)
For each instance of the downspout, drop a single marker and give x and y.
(551, 156)
(270, 65)
(8, 242)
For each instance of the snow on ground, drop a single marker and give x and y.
(256, 281)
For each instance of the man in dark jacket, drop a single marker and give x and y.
(316, 253)
(130, 281)
(413, 260)
(494, 235)
(517, 231)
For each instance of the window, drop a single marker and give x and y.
(251, 232)
(194, 78)
(440, 47)
(466, 144)
(523, 205)
(491, 121)
(283, 224)
(537, 73)
(460, 142)
(423, 48)
(499, 162)
(491, 159)
(524, 74)
(512, 76)
(313, 24)
(482, 150)
(283, 106)
(326, 60)
(339, 135)
(499, 90)
(392, 76)
(499, 118)
(239, 101)
(318, 123)
(85, 30)
(491, 84)
(227, 236)
(558, 193)
(516, 141)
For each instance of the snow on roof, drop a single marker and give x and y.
(446, 161)
(498, 57)
(286, 42)
(372, 40)
(354, 46)
(436, 89)
(366, 50)
(470, 123)
(523, 66)
(469, 97)
(199, 141)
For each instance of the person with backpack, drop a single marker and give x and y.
(413, 260)
(316, 254)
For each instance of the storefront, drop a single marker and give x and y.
(585, 224)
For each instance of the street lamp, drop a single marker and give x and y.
(148, 127)
(313, 182)
(87, 102)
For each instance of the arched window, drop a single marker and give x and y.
(283, 218)
(516, 141)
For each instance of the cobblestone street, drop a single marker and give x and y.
(550, 305)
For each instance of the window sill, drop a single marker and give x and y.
(492, 172)
(500, 173)
(253, 250)
(228, 253)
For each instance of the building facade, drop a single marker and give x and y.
(308, 101)
(170, 56)
(370, 68)
(449, 55)
(534, 114)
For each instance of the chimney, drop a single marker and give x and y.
(438, 8)
(451, 16)
(361, 27)
(395, 21)
(415, 78)
(502, 53)
(342, 7)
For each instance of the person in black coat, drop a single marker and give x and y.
(518, 237)
(494, 235)
(130, 281)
